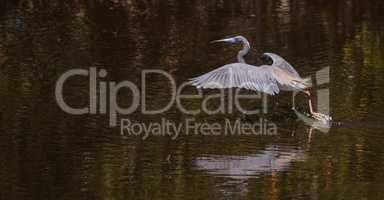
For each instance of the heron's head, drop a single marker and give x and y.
(233, 40)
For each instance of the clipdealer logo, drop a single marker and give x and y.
(103, 97)
(103, 100)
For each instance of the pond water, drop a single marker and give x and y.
(47, 153)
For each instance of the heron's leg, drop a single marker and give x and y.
(309, 101)
(316, 115)
(294, 93)
(310, 106)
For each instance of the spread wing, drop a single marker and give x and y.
(265, 79)
(279, 62)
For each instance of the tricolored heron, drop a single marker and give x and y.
(270, 79)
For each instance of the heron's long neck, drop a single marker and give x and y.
(243, 52)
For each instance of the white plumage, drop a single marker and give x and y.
(267, 78)
(270, 79)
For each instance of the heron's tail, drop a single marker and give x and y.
(302, 83)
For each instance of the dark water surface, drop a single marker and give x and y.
(49, 154)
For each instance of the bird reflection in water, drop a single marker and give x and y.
(237, 170)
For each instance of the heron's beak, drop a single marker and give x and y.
(229, 40)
